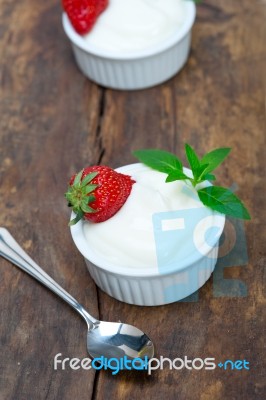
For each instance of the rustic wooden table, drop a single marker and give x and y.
(53, 122)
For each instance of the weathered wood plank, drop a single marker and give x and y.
(49, 119)
(53, 122)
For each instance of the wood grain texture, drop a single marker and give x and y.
(53, 122)
(46, 111)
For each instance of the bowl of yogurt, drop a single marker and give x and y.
(160, 247)
(135, 44)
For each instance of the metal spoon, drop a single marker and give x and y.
(107, 339)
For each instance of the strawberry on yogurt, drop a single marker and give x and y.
(127, 239)
(136, 24)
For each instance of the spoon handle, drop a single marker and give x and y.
(11, 250)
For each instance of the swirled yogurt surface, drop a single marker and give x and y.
(128, 238)
(131, 25)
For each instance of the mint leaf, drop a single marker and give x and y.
(210, 177)
(176, 175)
(200, 173)
(217, 198)
(224, 201)
(215, 158)
(192, 158)
(159, 160)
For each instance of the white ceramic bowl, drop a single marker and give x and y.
(152, 286)
(136, 70)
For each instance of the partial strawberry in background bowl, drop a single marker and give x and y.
(129, 44)
(159, 242)
(83, 14)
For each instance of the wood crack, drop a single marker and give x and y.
(99, 138)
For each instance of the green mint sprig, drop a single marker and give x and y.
(217, 198)
(196, 1)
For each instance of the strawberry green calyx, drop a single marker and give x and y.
(80, 195)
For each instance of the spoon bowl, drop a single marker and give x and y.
(107, 339)
(116, 340)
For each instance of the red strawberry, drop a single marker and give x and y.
(102, 4)
(84, 13)
(97, 193)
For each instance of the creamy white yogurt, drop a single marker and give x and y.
(131, 25)
(127, 239)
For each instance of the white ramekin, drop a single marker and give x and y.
(136, 70)
(150, 287)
